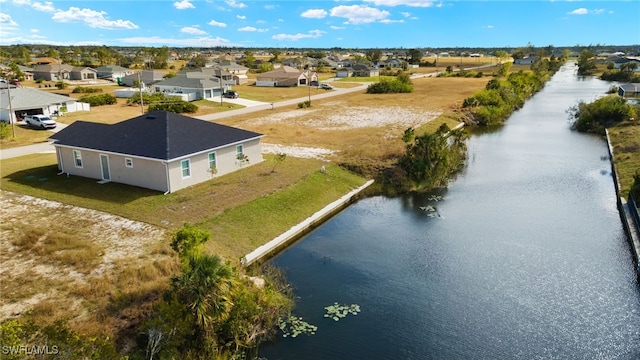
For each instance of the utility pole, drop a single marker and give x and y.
(141, 100)
(221, 89)
(11, 114)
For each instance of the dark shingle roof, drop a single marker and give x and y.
(159, 135)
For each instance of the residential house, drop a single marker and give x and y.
(45, 61)
(286, 76)
(159, 150)
(238, 72)
(193, 85)
(529, 60)
(329, 63)
(27, 71)
(393, 63)
(113, 72)
(6, 72)
(63, 72)
(358, 70)
(344, 72)
(146, 77)
(30, 101)
(619, 62)
(629, 90)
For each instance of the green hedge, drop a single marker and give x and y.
(97, 100)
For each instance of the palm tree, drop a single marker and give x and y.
(205, 287)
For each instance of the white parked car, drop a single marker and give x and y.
(326, 86)
(40, 121)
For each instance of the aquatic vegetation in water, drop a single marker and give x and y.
(431, 211)
(337, 311)
(294, 326)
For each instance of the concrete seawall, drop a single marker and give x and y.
(302, 228)
(629, 225)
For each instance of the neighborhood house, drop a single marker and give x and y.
(286, 76)
(28, 101)
(159, 150)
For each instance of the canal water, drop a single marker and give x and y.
(524, 257)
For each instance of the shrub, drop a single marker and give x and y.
(85, 90)
(390, 87)
(602, 113)
(61, 85)
(4, 130)
(174, 105)
(304, 104)
(146, 98)
(97, 100)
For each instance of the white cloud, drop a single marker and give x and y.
(280, 20)
(7, 21)
(488, 27)
(359, 14)
(34, 31)
(252, 29)
(47, 6)
(412, 3)
(241, 17)
(194, 42)
(406, 14)
(294, 37)
(218, 24)
(270, 7)
(598, 11)
(192, 30)
(389, 21)
(314, 14)
(579, 11)
(333, 27)
(235, 4)
(94, 19)
(183, 4)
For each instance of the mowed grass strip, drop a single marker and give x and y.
(625, 139)
(240, 230)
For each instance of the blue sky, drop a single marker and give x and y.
(320, 24)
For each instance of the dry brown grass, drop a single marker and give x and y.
(361, 144)
(61, 262)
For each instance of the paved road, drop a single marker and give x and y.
(43, 147)
(259, 106)
(251, 106)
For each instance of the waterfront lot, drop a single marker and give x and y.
(242, 210)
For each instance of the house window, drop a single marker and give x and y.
(77, 158)
(128, 162)
(212, 160)
(239, 151)
(186, 168)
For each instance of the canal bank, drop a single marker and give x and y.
(297, 231)
(631, 226)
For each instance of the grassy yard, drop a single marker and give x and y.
(625, 139)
